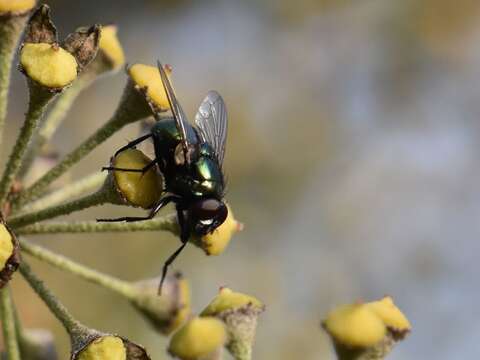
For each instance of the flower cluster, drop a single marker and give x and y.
(57, 71)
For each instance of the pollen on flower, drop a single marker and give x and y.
(198, 338)
(6, 246)
(216, 242)
(390, 314)
(355, 325)
(148, 77)
(105, 347)
(49, 65)
(139, 189)
(111, 47)
(230, 300)
(16, 5)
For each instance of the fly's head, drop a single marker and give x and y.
(207, 214)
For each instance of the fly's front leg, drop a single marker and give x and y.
(133, 143)
(161, 203)
(183, 223)
(142, 170)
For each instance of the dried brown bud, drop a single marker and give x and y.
(40, 27)
(83, 44)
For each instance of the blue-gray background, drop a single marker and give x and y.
(353, 160)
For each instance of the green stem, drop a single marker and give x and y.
(166, 223)
(100, 197)
(53, 119)
(89, 183)
(56, 307)
(8, 325)
(10, 30)
(119, 286)
(39, 98)
(133, 107)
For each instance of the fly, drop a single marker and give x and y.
(190, 158)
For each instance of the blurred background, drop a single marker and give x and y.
(352, 159)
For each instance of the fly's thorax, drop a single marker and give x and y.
(208, 172)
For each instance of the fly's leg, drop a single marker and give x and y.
(142, 170)
(161, 203)
(133, 143)
(184, 235)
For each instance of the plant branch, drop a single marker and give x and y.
(55, 306)
(10, 31)
(132, 107)
(63, 263)
(8, 325)
(53, 119)
(88, 183)
(39, 99)
(99, 197)
(166, 223)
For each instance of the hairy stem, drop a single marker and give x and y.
(10, 30)
(88, 183)
(100, 197)
(132, 107)
(166, 223)
(56, 307)
(53, 119)
(8, 325)
(61, 262)
(39, 99)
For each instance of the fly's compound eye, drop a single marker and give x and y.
(210, 209)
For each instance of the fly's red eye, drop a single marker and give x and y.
(209, 209)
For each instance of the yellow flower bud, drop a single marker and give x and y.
(198, 338)
(6, 246)
(49, 65)
(168, 311)
(16, 6)
(391, 315)
(230, 300)
(104, 348)
(355, 326)
(9, 254)
(148, 77)
(139, 189)
(185, 305)
(111, 47)
(216, 242)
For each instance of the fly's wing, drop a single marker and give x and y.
(177, 111)
(211, 122)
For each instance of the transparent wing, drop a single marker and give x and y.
(211, 121)
(177, 111)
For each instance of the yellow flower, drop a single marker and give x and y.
(391, 315)
(216, 242)
(16, 6)
(111, 47)
(49, 65)
(138, 189)
(355, 325)
(148, 77)
(230, 300)
(6, 246)
(198, 338)
(104, 348)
